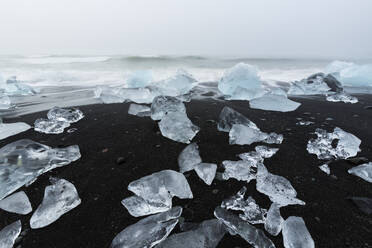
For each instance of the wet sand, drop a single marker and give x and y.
(107, 132)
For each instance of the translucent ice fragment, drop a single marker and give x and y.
(342, 97)
(70, 115)
(246, 94)
(137, 95)
(313, 85)
(325, 168)
(274, 220)
(139, 110)
(50, 126)
(17, 203)
(295, 233)
(189, 157)
(5, 102)
(228, 117)
(363, 171)
(240, 170)
(177, 85)
(10, 129)
(266, 152)
(244, 135)
(149, 231)
(274, 103)
(206, 171)
(137, 206)
(139, 79)
(9, 234)
(165, 104)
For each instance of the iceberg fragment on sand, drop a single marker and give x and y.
(351, 74)
(5, 102)
(139, 110)
(240, 170)
(119, 95)
(274, 103)
(206, 172)
(266, 152)
(139, 79)
(325, 168)
(137, 206)
(318, 83)
(342, 97)
(9, 234)
(177, 85)
(235, 225)
(17, 203)
(166, 104)
(347, 145)
(274, 221)
(244, 135)
(149, 231)
(228, 117)
(206, 235)
(12, 87)
(22, 161)
(10, 129)
(363, 171)
(295, 233)
(189, 157)
(50, 126)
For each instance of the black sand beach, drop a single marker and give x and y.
(107, 132)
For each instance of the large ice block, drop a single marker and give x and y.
(9, 234)
(363, 171)
(59, 198)
(244, 135)
(17, 203)
(10, 129)
(149, 231)
(295, 234)
(228, 117)
(189, 157)
(22, 161)
(274, 103)
(313, 85)
(165, 104)
(139, 110)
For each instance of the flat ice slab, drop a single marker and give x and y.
(363, 171)
(295, 233)
(17, 203)
(59, 198)
(274, 103)
(10, 129)
(9, 234)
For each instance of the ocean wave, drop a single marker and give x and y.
(45, 59)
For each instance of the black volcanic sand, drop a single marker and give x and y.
(108, 132)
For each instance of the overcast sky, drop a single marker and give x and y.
(249, 28)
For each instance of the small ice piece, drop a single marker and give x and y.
(59, 198)
(9, 234)
(252, 212)
(137, 206)
(274, 103)
(240, 170)
(178, 127)
(10, 129)
(139, 79)
(252, 157)
(274, 220)
(363, 171)
(22, 161)
(342, 97)
(235, 225)
(13, 87)
(139, 110)
(325, 168)
(5, 102)
(70, 115)
(189, 157)
(295, 233)
(50, 126)
(177, 85)
(266, 152)
(207, 235)
(277, 188)
(137, 95)
(228, 117)
(149, 231)
(244, 135)
(165, 104)
(17, 203)
(304, 123)
(336, 145)
(206, 171)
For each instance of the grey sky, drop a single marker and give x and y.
(250, 28)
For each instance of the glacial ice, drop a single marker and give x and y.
(5, 102)
(295, 233)
(235, 225)
(50, 126)
(59, 198)
(9, 234)
(178, 127)
(139, 79)
(244, 135)
(274, 103)
(314, 85)
(177, 85)
(157, 191)
(22, 161)
(363, 171)
(119, 95)
(325, 168)
(252, 157)
(206, 171)
(189, 157)
(351, 74)
(252, 213)
(246, 94)
(342, 97)
(240, 170)
(70, 115)
(207, 235)
(139, 110)
(347, 144)
(228, 117)
(149, 231)
(10, 129)
(12, 87)
(266, 152)
(274, 221)
(108, 94)
(165, 104)
(17, 203)
(277, 188)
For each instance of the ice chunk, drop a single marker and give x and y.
(351, 74)
(70, 115)
(17, 203)
(189, 157)
(139, 110)
(228, 117)
(241, 75)
(295, 233)
(346, 146)
(178, 127)
(244, 135)
(50, 126)
(277, 188)
(9, 234)
(252, 157)
(139, 79)
(240, 170)
(13, 87)
(10, 129)
(177, 85)
(206, 171)
(252, 213)
(108, 94)
(266, 152)
(5, 102)
(246, 94)
(149, 231)
(137, 206)
(304, 123)
(165, 104)
(325, 168)
(363, 171)
(137, 95)
(252, 235)
(274, 103)
(207, 235)
(342, 97)
(274, 220)
(337, 66)
(312, 85)
(22, 161)
(59, 198)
